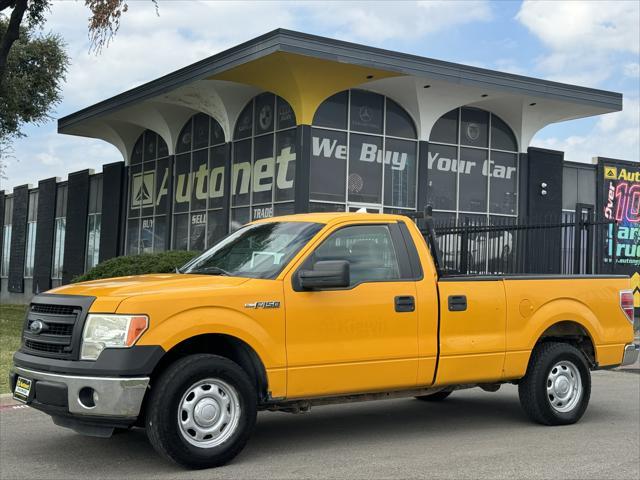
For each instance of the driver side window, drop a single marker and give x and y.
(368, 249)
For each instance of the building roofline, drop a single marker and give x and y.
(346, 52)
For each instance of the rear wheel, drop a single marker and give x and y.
(202, 411)
(557, 385)
(435, 397)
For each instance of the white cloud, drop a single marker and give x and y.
(614, 135)
(631, 69)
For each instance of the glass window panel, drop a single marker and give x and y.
(503, 172)
(136, 155)
(244, 125)
(569, 188)
(587, 186)
(502, 137)
(217, 172)
(133, 226)
(184, 139)
(474, 127)
(146, 235)
(239, 216)
(332, 113)
(217, 133)
(444, 218)
(288, 208)
(159, 234)
(286, 116)
(180, 231)
(241, 173)
(285, 165)
(326, 207)
(399, 123)
(445, 129)
(263, 169)
(473, 181)
(366, 111)
(216, 228)
(328, 169)
(198, 231)
(200, 131)
(265, 113)
(136, 190)
(150, 145)
(261, 211)
(163, 150)
(400, 167)
(163, 179)
(364, 182)
(441, 177)
(200, 181)
(183, 183)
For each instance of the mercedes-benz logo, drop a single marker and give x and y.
(36, 327)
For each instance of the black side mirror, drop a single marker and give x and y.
(325, 274)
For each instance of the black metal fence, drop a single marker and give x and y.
(573, 243)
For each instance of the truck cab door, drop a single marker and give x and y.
(357, 338)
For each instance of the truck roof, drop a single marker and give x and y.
(331, 217)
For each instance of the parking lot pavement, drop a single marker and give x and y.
(472, 434)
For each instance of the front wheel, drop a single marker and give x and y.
(557, 385)
(202, 411)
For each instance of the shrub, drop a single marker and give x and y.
(164, 262)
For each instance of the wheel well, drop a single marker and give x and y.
(573, 333)
(226, 346)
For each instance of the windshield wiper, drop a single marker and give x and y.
(212, 271)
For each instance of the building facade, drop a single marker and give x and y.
(291, 123)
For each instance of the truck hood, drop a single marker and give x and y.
(124, 287)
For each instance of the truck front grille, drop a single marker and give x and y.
(53, 328)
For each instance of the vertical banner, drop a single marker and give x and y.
(619, 200)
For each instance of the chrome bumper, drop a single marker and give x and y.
(115, 397)
(631, 352)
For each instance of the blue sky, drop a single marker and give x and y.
(594, 44)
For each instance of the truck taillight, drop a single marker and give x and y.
(626, 303)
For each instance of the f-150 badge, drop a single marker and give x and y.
(262, 305)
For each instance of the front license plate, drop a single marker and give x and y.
(22, 390)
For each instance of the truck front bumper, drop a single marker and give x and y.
(631, 352)
(90, 405)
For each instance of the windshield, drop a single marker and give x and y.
(255, 251)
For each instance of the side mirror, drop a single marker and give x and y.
(325, 274)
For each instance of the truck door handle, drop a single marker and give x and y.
(405, 304)
(457, 303)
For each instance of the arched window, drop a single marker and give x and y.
(149, 172)
(199, 172)
(472, 166)
(264, 160)
(364, 152)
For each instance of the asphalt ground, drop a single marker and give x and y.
(472, 434)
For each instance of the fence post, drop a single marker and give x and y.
(464, 249)
(577, 239)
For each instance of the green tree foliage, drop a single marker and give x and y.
(31, 86)
(165, 262)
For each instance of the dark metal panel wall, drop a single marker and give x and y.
(423, 175)
(303, 161)
(44, 235)
(113, 196)
(76, 231)
(18, 238)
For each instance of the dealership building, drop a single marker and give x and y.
(290, 123)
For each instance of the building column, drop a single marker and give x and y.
(75, 241)
(18, 238)
(303, 168)
(44, 234)
(113, 196)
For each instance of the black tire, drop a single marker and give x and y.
(532, 389)
(435, 397)
(163, 429)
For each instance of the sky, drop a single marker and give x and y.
(593, 43)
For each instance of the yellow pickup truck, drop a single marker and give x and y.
(296, 311)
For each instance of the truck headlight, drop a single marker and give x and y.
(110, 331)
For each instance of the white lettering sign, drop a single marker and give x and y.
(489, 168)
(369, 152)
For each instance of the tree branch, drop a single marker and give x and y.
(12, 34)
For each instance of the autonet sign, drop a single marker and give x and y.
(619, 198)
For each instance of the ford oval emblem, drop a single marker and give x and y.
(36, 327)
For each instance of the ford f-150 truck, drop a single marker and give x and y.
(302, 310)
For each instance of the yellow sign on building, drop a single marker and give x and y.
(610, 172)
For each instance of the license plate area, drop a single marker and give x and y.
(22, 391)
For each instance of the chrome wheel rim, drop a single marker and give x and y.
(209, 413)
(564, 386)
